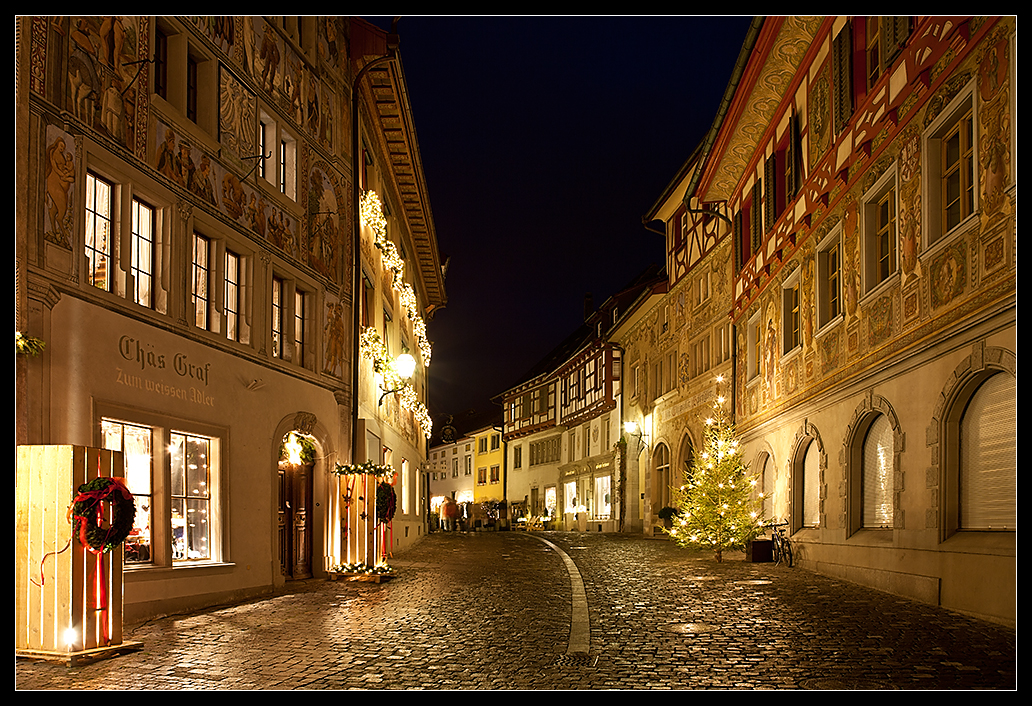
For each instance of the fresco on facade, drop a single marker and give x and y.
(59, 177)
(238, 116)
(335, 329)
(275, 67)
(328, 207)
(219, 29)
(103, 73)
(191, 168)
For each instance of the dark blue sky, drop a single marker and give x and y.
(544, 141)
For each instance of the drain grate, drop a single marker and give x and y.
(577, 659)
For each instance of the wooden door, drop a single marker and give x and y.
(295, 541)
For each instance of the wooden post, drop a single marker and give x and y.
(68, 600)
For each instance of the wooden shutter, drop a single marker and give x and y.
(842, 64)
(770, 202)
(756, 218)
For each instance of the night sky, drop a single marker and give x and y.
(544, 141)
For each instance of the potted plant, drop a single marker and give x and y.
(667, 514)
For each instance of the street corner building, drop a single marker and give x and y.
(225, 247)
(841, 248)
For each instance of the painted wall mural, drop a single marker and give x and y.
(59, 177)
(104, 75)
(193, 169)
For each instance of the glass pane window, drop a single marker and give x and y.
(232, 304)
(98, 232)
(136, 445)
(142, 252)
(189, 458)
(201, 279)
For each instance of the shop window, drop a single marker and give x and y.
(190, 470)
(174, 476)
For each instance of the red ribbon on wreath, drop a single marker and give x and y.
(94, 500)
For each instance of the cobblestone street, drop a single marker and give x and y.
(513, 610)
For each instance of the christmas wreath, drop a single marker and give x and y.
(87, 513)
(386, 502)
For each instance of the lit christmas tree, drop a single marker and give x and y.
(716, 506)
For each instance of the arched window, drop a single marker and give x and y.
(767, 486)
(988, 457)
(878, 471)
(811, 489)
(661, 478)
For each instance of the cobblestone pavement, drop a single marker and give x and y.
(507, 610)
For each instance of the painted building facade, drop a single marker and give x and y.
(187, 251)
(859, 184)
(564, 425)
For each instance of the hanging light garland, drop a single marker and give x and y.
(373, 349)
(372, 216)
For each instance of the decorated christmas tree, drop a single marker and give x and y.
(718, 507)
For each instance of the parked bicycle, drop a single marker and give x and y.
(780, 543)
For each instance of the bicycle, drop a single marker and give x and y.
(780, 543)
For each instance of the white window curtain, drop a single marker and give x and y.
(811, 486)
(988, 457)
(878, 474)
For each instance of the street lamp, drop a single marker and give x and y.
(634, 430)
(404, 368)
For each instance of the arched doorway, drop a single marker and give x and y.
(297, 459)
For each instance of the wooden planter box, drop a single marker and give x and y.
(360, 576)
(68, 601)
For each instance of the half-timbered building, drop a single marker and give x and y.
(861, 178)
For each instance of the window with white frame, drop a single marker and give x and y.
(142, 258)
(879, 231)
(232, 305)
(301, 338)
(950, 168)
(829, 279)
(754, 343)
(98, 232)
(174, 475)
(126, 222)
(202, 281)
(277, 323)
(791, 317)
(278, 160)
(184, 75)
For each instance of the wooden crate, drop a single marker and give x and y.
(68, 600)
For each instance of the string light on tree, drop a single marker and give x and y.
(718, 508)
